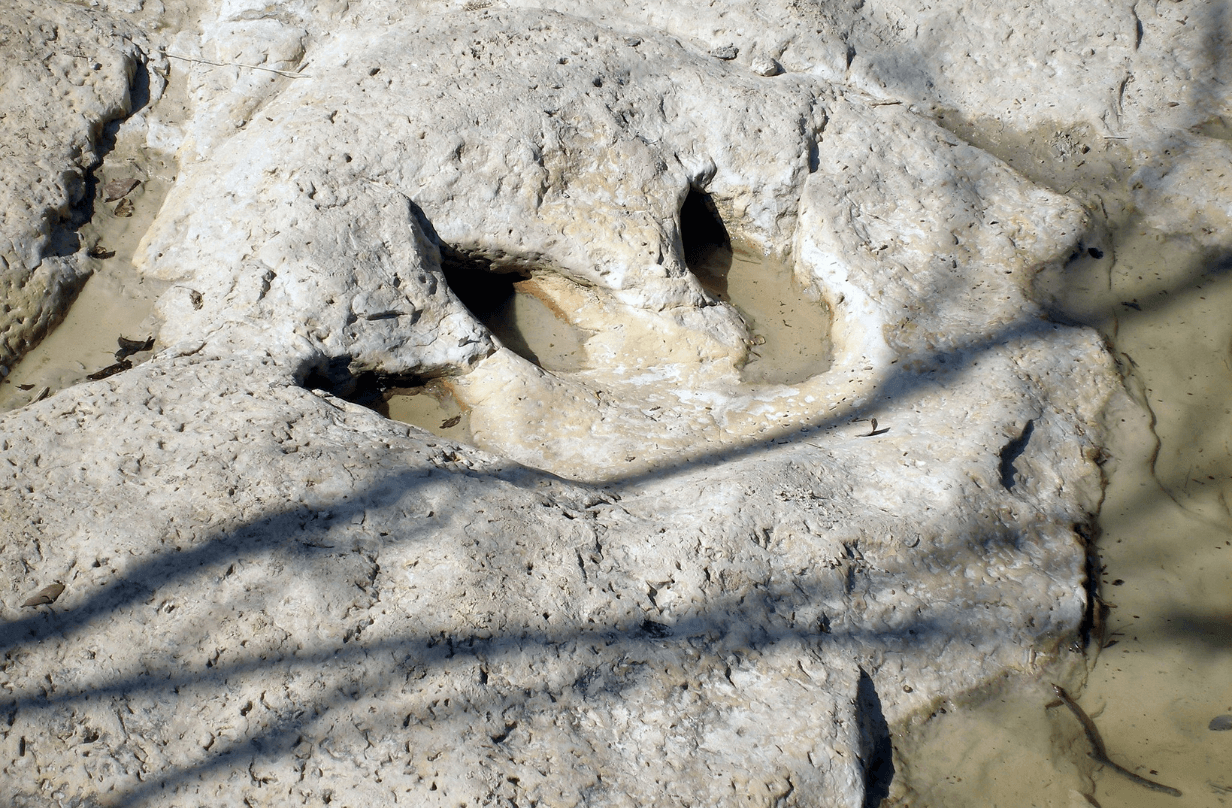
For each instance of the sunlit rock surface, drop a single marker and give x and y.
(648, 582)
(65, 74)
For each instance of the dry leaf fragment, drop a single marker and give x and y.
(125, 208)
(450, 423)
(135, 345)
(128, 347)
(118, 189)
(46, 596)
(99, 251)
(110, 370)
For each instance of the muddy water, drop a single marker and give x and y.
(788, 326)
(1166, 670)
(116, 300)
(788, 331)
(1164, 673)
(532, 327)
(527, 323)
(432, 407)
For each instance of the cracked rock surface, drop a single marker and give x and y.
(648, 582)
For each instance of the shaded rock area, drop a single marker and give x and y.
(644, 581)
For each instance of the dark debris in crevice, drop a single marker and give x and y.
(1011, 452)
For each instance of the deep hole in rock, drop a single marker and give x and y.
(788, 325)
(480, 289)
(334, 377)
(701, 229)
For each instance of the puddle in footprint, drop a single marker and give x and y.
(517, 312)
(116, 301)
(532, 327)
(431, 406)
(788, 325)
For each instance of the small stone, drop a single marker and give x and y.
(118, 189)
(766, 67)
(725, 52)
(1220, 723)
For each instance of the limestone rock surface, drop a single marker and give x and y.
(66, 73)
(648, 582)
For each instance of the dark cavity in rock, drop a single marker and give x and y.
(702, 233)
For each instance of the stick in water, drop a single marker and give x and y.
(1100, 752)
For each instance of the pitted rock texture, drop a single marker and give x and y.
(313, 602)
(501, 649)
(569, 151)
(650, 583)
(547, 143)
(66, 73)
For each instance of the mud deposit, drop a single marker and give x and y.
(116, 300)
(788, 327)
(1158, 667)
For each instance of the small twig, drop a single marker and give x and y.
(286, 73)
(1100, 753)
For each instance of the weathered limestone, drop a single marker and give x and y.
(650, 583)
(574, 163)
(496, 648)
(66, 73)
